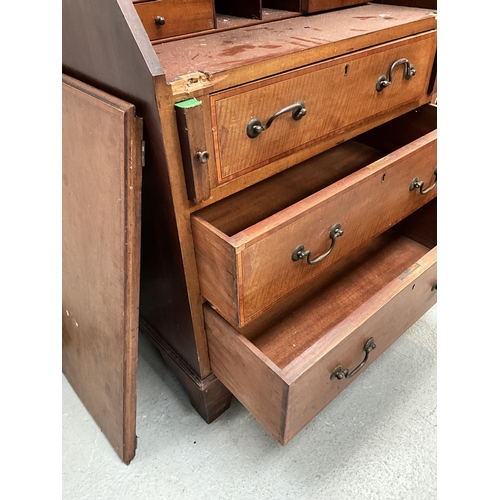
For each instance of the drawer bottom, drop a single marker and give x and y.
(283, 367)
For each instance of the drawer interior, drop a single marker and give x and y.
(256, 203)
(296, 322)
(187, 17)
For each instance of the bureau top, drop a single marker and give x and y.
(296, 41)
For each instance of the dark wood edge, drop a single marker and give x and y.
(209, 397)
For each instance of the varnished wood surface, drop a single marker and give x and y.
(104, 43)
(385, 317)
(283, 375)
(277, 166)
(250, 376)
(366, 203)
(219, 265)
(101, 251)
(421, 225)
(306, 39)
(181, 17)
(355, 99)
(225, 22)
(352, 282)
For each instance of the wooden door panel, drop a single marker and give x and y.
(101, 197)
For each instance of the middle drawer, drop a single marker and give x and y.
(262, 243)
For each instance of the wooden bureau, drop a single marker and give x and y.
(287, 208)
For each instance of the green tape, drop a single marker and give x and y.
(189, 103)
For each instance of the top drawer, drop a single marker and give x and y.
(336, 95)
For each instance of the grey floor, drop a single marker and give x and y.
(376, 440)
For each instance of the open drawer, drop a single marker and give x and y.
(291, 362)
(267, 241)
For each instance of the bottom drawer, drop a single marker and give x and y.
(290, 363)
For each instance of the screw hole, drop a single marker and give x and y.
(346, 69)
(383, 178)
(413, 286)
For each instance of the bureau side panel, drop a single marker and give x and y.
(104, 44)
(100, 255)
(245, 371)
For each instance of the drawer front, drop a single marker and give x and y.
(244, 275)
(384, 318)
(337, 95)
(167, 18)
(285, 399)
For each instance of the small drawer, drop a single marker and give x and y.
(265, 242)
(259, 123)
(294, 360)
(167, 18)
(310, 6)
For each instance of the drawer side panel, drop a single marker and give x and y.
(247, 373)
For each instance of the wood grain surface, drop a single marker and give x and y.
(282, 375)
(354, 99)
(385, 317)
(260, 269)
(249, 8)
(126, 66)
(180, 17)
(192, 141)
(101, 256)
(237, 56)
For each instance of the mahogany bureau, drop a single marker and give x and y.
(255, 190)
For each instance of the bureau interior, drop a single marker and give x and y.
(246, 208)
(299, 320)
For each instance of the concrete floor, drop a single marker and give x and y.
(376, 440)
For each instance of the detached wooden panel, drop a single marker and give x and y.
(283, 373)
(101, 255)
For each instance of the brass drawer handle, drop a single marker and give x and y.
(301, 253)
(409, 71)
(417, 184)
(340, 374)
(255, 127)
